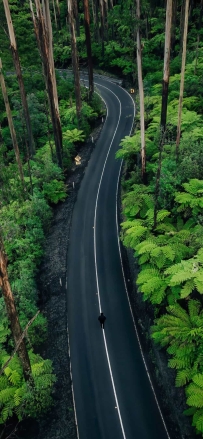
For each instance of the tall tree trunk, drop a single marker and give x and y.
(47, 19)
(96, 22)
(198, 36)
(182, 20)
(167, 50)
(43, 44)
(16, 60)
(166, 64)
(11, 126)
(182, 76)
(141, 94)
(54, 9)
(75, 59)
(12, 313)
(101, 4)
(58, 14)
(76, 17)
(106, 26)
(88, 45)
(173, 29)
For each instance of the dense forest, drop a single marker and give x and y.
(156, 48)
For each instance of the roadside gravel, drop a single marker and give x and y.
(59, 423)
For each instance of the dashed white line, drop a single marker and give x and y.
(97, 281)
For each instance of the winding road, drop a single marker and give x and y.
(113, 395)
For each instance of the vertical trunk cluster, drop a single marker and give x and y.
(102, 19)
(11, 126)
(43, 32)
(76, 17)
(141, 93)
(19, 77)
(182, 75)
(74, 59)
(166, 71)
(88, 45)
(95, 14)
(12, 314)
(167, 51)
(198, 36)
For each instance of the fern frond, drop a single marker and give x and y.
(182, 377)
(187, 289)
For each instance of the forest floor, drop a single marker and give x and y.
(59, 423)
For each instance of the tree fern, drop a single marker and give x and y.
(192, 197)
(181, 332)
(17, 396)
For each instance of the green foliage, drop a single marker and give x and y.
(74, 135)
(181, 331)
(55, 191)
(25, 398)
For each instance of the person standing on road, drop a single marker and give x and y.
(102, 319)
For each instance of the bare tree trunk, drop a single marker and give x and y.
(106, 26)
(101, 4)
(173, 29)
(76, 17)
(166, 63)
(182, 20)
(166, 71)
(182, 76)
(42, 40)
(75, 59)
(141, 94)
(16, 60)
(97, 35)
(12, 314)
(11, 126)
(88, 45)
(55, 19)
(47, 19)
(198, 36)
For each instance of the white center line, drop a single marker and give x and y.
(95, 258)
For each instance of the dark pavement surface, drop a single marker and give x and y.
(96, 410)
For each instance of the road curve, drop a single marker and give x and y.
(113, 395)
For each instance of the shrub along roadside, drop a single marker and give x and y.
(170, 253)
(24, 221)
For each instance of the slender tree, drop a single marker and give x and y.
(165, 84)
(198, 36)
(11, 126)
(48, 28)
(76, 17)
(182, 76)
(55, 18)
(95, 13)
(141, 93)
(166, 71)
(102, 21)
(41, 32)
(88, 45)
(12, 314)
(16, 60)
(74, 59)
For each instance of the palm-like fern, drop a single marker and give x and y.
(137, 200)
(194, 393)
(187, 274)
(18, 397)
(152, 284)
(192, 198)
(182, 333)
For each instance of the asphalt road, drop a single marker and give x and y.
(113, 395)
